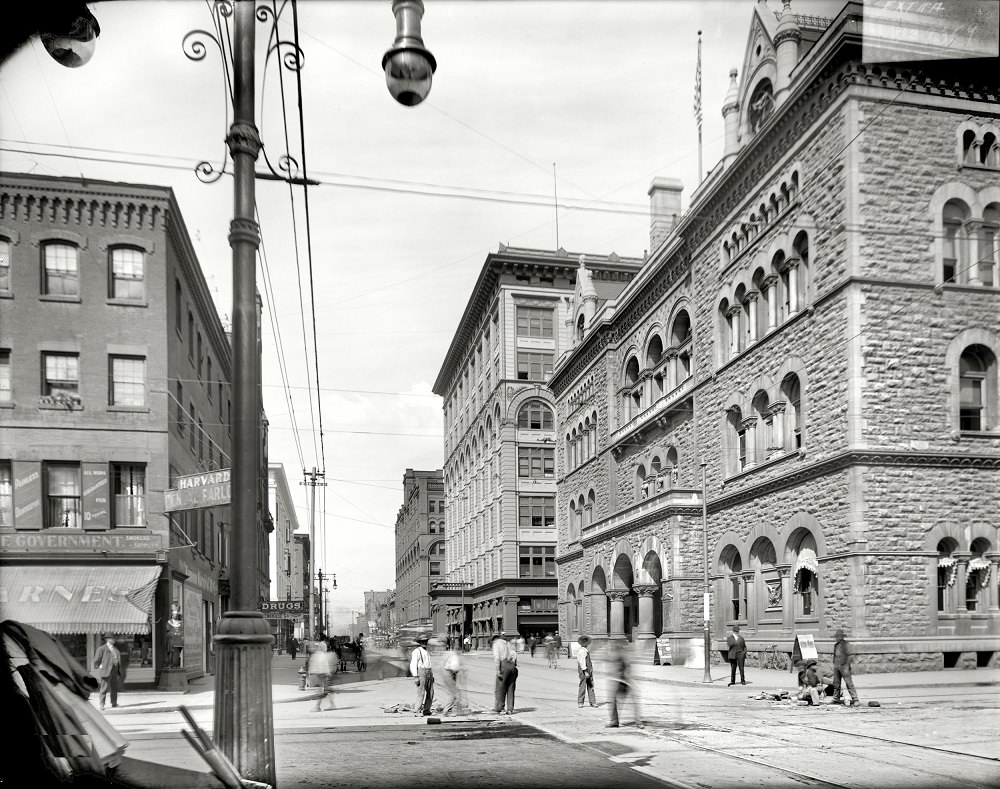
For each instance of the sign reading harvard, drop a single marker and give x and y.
(198, 491)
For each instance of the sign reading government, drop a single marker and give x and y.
(282, 609)
(197, 491)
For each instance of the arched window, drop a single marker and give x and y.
(591, 504)
(947, 568)
(673, 465)
(737, 440)
(655, 471)
(989, 151)
(631, 380)
(805, 579)
(535, 415)
(726, 336)
(730, 567)
(969, 150)
(791, 390)
(654, 354)
(640, 483)
(764, 440)
(574, 522)
(738, 320)
(977, 576)
(760, 105)
(581, 324)
(955, 258)
(989, 247)
(977, 389)
(767, 594)
(680, 338)
(801, 247)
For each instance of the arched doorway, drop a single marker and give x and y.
(622, 603)
(598, 603)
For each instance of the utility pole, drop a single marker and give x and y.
(311, 477)
(244, 718)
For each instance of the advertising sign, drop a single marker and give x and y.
(27, 495)
(283, 609)
(198, 491)
(112, 542)
(96, 513)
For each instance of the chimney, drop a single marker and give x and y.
(664, 209)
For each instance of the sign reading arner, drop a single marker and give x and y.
(197, 491)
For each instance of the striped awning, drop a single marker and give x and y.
(79, 598)
(807, 561)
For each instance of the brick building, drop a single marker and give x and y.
(500, 438)
(419, 548)
(819, 332)
(114, 383)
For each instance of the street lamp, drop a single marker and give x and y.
(408, 66)
(244, 723)
(704, 557)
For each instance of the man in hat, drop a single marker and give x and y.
(737, 655)
(585, 673)
(505, 659)
(842, 668)
(809, 684)
(109, 664)
(420, 668)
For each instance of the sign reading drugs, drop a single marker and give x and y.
(198, 491)
(282, 609)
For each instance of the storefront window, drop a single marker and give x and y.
(175, 626)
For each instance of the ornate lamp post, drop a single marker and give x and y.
(244, 723)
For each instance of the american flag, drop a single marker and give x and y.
(697, 85)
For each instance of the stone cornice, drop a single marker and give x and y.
(850, 459)
(638, 522)
(569, 556)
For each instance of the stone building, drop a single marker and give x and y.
(419, 546)
(500, 438)
(818, 335)
(284, 585)
(114, 386)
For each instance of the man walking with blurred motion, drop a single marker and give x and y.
(621, 687)
(505, 660)
(842, 669)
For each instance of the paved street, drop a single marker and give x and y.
(934, 729)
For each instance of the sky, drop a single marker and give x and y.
(576, 104)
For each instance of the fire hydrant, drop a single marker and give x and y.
(302, 677)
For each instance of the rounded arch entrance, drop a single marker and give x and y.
(598, 601)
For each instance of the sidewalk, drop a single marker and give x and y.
(201, 692)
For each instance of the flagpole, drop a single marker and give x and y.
(697, 104)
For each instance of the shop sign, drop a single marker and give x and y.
(283, 609)
(27, 495)
(198, 491)
(96, 514)
(28, 542)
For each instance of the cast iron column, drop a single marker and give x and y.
(244, 721)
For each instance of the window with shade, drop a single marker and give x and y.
(129, 485)
(128, 381)
(128, 274)
(60, 270)
(62, 495)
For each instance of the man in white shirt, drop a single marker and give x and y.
(451, 678)
(420, 668)
(505, 659)
(585, 672)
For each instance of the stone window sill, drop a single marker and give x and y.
(126, 409)
(57, 298)
(6, 294)
(6, 403)
(127, 303)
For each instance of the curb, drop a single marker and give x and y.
(174, 706)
